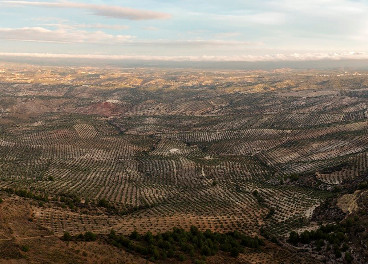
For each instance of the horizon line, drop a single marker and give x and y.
(204, 58)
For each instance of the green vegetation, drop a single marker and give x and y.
(69, 200)
(103, 203)
(27, 194)
(363, 185)
(87, 237)
(259, 198)
(334, 234)
(181, 244)
(338, 167)
(67, 237)
(24, 248)
(227, 150)
(330, 236)
(270, 213)
(293, 177)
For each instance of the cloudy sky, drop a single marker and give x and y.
(186, 29)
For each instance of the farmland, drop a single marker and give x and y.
(151, 150)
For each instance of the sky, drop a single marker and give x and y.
(205, 30)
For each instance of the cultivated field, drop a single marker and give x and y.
(151, 150)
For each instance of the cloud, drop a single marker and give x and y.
(100, 10)
(196, 43)
(316, 7)
(245, 58)
(71, 34)
(258, 18)
(61, 35)
(227, 35)
(103, 26)
(322, 19)
(95, 26)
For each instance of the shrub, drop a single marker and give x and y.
(181, 257)
(185, 243)
(274, 240)
(235, 252)
(194, 230)
(337, 252)
(112, 234)
(134, 235)
(363, 185)
(270, 213)
(163, 255)
(103, 203)
(148, 237)
(89, 236)
(293, 177)
(154, 251)
(24, 248)
(67, 237)
(305, 237)
(348, 257)
(293, 238)
(205, 250)
(170, 253)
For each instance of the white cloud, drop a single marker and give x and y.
(100, 10)
(262, 27)
(257, 18)
(322, 18)
(197, 43)
(316, 7)
(245, 58)
(103, 26)
(227, 35)
(65, 33)
(95, 26)
(61, 35)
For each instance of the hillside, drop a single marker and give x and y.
(256, 152)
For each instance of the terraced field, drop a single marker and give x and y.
(226, 156)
